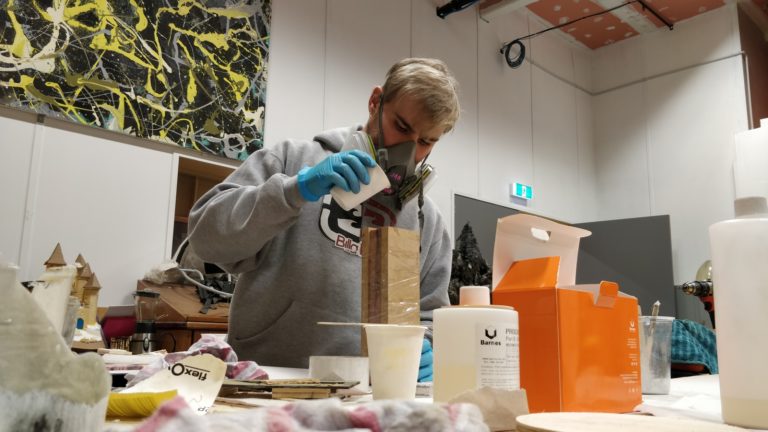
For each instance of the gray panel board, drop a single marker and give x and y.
(636, 253)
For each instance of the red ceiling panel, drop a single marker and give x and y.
(606, 29)
(593, 32)
(677, 10)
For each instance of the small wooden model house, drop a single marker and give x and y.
(90, 300)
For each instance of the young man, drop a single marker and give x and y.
(297, 252)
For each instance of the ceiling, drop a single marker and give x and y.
(608, 28)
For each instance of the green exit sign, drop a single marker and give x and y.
(522, 191)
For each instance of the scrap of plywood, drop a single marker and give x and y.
(283, 389)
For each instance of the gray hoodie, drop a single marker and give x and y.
(299, 261)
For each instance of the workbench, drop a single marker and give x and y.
(180, 322)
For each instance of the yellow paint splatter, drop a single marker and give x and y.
(191, 88)
(206, 56)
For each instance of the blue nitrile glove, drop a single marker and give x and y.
(344, 169)
(425, 364)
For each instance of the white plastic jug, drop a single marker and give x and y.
(475, 346)
(740, 280)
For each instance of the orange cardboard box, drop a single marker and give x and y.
(579, 344)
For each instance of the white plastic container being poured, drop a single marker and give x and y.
(475, 345)
(740, 280)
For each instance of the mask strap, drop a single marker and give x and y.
(380, 142)
(421, 213)
(423, 162)
(421, 199)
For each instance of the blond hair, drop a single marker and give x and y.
(431, 83)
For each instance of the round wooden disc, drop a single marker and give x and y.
(602, 422)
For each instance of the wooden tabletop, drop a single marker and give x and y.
(180, 303)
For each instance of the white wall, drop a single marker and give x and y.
(454, 40)
(664, 133)
(296, 67)
(104, 199)
(16, 148)
(517, 125)
(109, 201)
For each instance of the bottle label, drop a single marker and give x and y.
(497, 355)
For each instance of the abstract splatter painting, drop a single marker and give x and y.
(188, 72)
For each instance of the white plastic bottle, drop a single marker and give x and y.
(475, 346)
(740, 280)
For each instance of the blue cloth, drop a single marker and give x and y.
(344, 169)
(425, 364)
(692, 343)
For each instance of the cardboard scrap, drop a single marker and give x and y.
(196, 378)
(499, 407)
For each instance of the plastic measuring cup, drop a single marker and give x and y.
(394, 352)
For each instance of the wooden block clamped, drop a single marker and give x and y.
(390, 279)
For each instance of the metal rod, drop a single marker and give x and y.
(656, 14)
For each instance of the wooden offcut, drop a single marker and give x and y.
(284, 388)
(390, 279)
(296, 393)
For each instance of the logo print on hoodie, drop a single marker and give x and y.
(340, 226)
(343, 227)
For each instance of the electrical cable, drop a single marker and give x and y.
(180, 249)
(516, 62)
(175, 258)
(203, 286)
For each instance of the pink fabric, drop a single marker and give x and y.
(168, 413)
(363, 417)
(321, 415)
(241, 370)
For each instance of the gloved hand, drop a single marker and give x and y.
(425, 364)
(344, 169)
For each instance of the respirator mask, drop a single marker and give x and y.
(398, 162)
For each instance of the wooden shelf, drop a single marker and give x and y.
(206, 170)
(194, 178)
